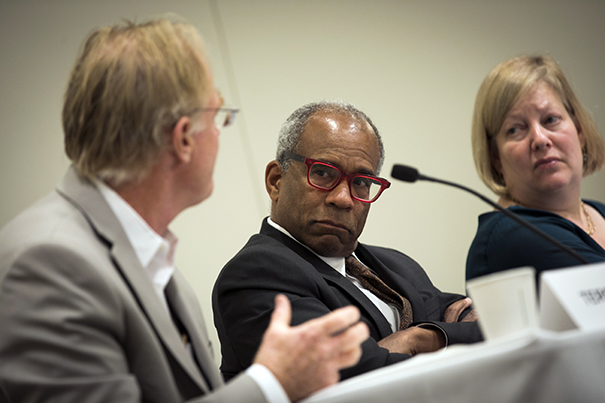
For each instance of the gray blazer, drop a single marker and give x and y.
(80, 320)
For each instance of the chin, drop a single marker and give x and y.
(331, 249)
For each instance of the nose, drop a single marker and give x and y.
(540, 138)
(340, 196)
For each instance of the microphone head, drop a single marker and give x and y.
(405, 173)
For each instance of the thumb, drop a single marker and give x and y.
(282, 314)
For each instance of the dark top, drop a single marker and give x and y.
(272, 263)
(501, 243)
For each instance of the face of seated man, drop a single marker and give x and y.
(329, 222)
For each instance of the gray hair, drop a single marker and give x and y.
(294, 126)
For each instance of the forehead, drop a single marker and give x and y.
(339, 138)
(540, 95)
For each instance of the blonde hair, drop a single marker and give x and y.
(499, 92)
(127, 89)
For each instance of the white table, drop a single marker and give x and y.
(538, 367)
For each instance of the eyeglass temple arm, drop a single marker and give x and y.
(293, 156)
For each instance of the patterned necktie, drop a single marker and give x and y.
(376, 286)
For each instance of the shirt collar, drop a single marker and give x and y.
(154, 252)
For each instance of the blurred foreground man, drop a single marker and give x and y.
(92, 308)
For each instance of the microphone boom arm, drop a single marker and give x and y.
(510, 215)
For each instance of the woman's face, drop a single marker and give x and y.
(539, 147)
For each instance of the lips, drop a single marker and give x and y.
(546, 162)
(332, 224)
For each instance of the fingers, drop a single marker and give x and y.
(352, 337)
(349, 343)
(472, 316)
(337, 322)
(452, 313)
(282, 314)
(308, 357)
(466, 302)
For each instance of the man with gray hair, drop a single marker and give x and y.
(321, 185)
(92, 308)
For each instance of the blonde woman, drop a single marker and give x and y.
(533, 142)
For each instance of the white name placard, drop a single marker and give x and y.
(573, 298)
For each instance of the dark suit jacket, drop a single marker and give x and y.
(272, 263)
(80, 320)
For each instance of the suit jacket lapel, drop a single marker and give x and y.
(85, 196)
(334, 278)
(394, 280)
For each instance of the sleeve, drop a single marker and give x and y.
(428, 302)
(244, 388)
(268, 383)
(59, 332)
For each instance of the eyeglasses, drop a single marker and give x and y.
(224, 116)
(321, 175)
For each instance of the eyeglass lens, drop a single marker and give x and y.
(325, 177)
(224, 117)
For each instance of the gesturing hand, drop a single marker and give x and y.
(308, 357)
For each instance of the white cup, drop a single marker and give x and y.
(506, 302)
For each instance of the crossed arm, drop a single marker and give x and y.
(417, 339)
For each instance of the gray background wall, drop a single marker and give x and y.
(413, 66)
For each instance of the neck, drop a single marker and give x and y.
(153, 198)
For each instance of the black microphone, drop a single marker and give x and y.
(409, 174)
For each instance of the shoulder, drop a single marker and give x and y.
(261, 247)
(600, 207)
(52, 243)
(384, 252)
(266, 259)
(496, 228)
(51, 226)
(391, 258)
(501, 243)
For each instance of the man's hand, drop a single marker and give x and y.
(452, 313)
(414, 340)
(308, 357)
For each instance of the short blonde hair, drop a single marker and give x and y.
(127, 89)
(499, 92)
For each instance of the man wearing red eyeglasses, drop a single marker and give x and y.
(321, 185)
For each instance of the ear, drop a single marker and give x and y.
(182, 139)
(273, 176)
